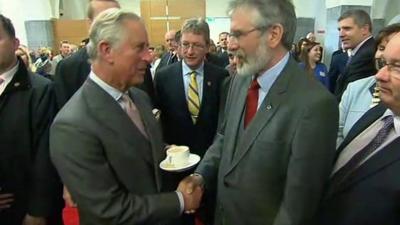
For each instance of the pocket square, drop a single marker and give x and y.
(156, 113)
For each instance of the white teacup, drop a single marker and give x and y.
(178, 155)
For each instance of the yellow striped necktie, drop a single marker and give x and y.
(193, 97)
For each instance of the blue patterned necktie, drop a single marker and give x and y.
(364, 153)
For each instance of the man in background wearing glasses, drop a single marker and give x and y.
(364, 186)
(188, 94)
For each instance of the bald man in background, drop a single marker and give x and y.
(172, 55)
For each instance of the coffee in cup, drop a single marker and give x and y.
(178, 155)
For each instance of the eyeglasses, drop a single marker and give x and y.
(394, 68)
(194, 46)
(238, 34)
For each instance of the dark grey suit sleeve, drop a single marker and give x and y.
(106, 201)
(313, 150)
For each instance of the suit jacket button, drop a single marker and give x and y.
(226, 184)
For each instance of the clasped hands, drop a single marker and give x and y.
(192, 188)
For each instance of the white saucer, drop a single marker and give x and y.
(193, 160)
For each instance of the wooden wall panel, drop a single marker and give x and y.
(154, 14)
(73, 31)
(187, 8)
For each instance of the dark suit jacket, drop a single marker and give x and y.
(167, 59)
(370, 195)
(273, 172)
(110, 168)
(336, 68)
(224, 57)
(177, 124)
(27, 107)
(72, 72)
(362, 65)
(216, 60)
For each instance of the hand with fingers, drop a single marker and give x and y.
(192, 189)
(6, 200)
(33, 220)
(68, 198)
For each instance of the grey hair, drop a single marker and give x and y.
(197, 26)
(269, 13)
(108, 26)
(360, 17)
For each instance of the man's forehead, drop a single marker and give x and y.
(392, 49)
(187, 35)
(349, 21)
(240, 22)
(170, 35)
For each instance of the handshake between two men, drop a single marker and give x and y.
(192, 188)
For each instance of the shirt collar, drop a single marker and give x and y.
(267, 79)
(396, 120)
(115, 93)
(8, 75)
(355, 50)
(186, 69)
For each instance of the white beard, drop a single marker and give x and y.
(253, 64)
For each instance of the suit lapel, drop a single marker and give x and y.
(236, 106)
(363, 123)
(264, 114)
(207, 91)
(152, 131)
(380, 160)
(113, 116)
(20, 81)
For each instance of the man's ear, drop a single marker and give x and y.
(16, 44)
(365, 30)
(105, 51)
(274, 36)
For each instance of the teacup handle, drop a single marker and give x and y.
(169, 159)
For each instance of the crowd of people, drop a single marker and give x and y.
(283, 140)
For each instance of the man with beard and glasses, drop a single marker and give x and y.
(274, 152)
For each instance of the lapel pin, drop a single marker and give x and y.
(269, 107)
(209, 83)
(16, 84)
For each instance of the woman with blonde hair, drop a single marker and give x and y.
(23, 53)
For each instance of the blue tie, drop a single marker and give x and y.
(349, 59)
(360, 156)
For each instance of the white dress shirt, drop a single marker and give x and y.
(7, 77)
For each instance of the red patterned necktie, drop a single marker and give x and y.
(251, 102)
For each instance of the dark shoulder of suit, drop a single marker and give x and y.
(362, 65)
(71, 73)
(217, 60)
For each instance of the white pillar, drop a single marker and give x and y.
(20, 11)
